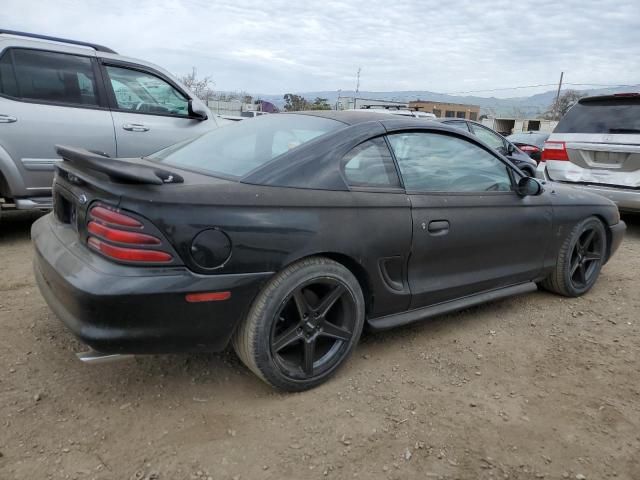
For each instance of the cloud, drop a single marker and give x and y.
(278, 46)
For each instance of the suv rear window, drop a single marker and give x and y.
(237, 149)
(606, 115)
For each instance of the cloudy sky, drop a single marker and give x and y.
(273, 46)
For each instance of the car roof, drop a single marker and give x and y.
(353, 117)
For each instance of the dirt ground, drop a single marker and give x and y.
(531, 387)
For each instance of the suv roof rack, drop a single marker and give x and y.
(96, 47)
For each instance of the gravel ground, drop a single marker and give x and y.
(536, 386)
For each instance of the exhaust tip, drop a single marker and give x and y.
(93, 357)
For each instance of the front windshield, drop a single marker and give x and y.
(237, 149)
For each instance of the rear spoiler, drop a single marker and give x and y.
(118, 169)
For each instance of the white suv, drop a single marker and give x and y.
(596, 146)
(59, 91)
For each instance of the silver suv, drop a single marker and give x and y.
(596, 146)
(58, 91)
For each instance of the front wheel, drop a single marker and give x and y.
(580, 259)
(303, 325)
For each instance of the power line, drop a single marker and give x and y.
(542, 85)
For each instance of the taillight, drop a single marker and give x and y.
(106, 227)
(114, 218)
(121, 236)
(554, 151)
(529, 148)
(129, 254)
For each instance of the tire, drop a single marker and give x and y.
(569, 278)
(312, 309)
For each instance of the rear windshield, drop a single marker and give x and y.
(237, 149)
(529, 138)
(617, 115)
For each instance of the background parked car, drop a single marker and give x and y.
(496, 141)
(531, 143)
(397, 111)
(596, 146)
(57, 91)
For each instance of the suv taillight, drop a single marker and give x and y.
(119, 236)
(554, 151)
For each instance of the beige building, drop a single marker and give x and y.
(447, 110)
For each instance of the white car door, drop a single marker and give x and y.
(149, 112)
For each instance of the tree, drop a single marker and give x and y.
(320, 104)
(201, 87)
(558, 109)
(295, 103)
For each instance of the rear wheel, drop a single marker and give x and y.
(579, 260)
(303, 325)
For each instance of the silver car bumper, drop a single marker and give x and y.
(626, 199)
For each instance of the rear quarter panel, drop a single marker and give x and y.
(272, 227)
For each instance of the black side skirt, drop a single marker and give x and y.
(403, 318)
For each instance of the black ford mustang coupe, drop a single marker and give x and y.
(286, 234)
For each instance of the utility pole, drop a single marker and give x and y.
(555, 105)
(355, 101)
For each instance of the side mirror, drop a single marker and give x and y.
(196, 110)
(529, 186)
(510, 148)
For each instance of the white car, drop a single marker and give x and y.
(596, 147)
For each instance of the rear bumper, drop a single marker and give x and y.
(628, 200)
(121, 309)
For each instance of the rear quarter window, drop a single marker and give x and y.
(236, 149)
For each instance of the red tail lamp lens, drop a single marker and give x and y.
(129, 254)
(554, 151)
(207, 297)
(529, 148)
(121, 236)
(114, 218)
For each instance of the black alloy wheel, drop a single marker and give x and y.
(313, 328)
(586, 258)
(580, 259)
(303, 325)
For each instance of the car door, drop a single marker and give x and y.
(149, 112)
(471, 231)
(49, 98)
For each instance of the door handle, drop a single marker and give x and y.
(7, 118)
(135, 127)
(438, 227)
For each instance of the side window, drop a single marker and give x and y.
(487, 136)
(434, 162)
(142, 92)
(48, 77)
(370, 165)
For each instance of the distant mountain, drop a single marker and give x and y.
(532, 106)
